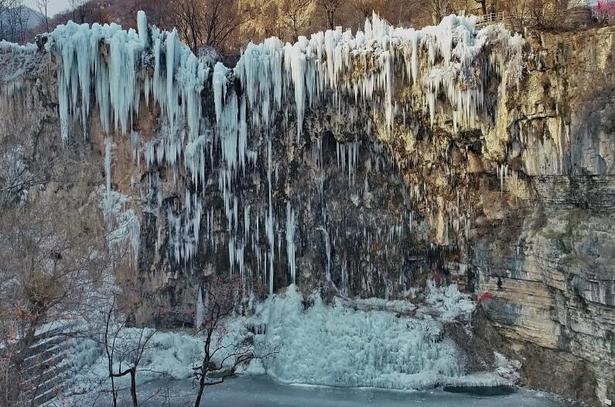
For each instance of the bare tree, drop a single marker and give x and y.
(548, 14)
(20, 19)
(391, 10)
(364, 7)
(297, 14)
(13, 20)
(5, 5)
(43, 7)
(78, 9)
(381, 7)
(221, 355)
(439, 9)
(128, 352)
(49, 256)
(46, 262)
(205, 22)
(330, 8)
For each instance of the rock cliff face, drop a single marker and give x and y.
(554, 250)
(361, 165)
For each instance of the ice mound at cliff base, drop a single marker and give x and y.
(340, 346)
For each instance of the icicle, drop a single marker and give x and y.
(142, 27)
(327, 252)
(269, 221)
(108, 160)
(199, 314)
(290, 242)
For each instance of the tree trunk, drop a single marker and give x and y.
(483, 6)
(46, 18)
(133, 387)
(199, 394)
(112, 376)
(295, 31)
(113, 392)
(194, 40)
(20, 352)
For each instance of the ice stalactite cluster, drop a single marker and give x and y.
(123, 223)
(219, 123)
(121, 69)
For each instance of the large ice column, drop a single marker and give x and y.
(270, 221)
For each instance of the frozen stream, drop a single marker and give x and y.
(262, 391)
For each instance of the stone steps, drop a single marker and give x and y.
(46, 368)
(45, 357)
(51, 385)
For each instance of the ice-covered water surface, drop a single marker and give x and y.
(262, 391)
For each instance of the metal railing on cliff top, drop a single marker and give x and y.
(491, 18)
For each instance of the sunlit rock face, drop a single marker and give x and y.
(555, 252)
(356, 163)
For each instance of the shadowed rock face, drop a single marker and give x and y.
(368, 206)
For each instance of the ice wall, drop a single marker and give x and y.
(217, 125)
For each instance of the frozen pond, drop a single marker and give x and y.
(262, 391)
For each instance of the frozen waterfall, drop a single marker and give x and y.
(208, 110)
